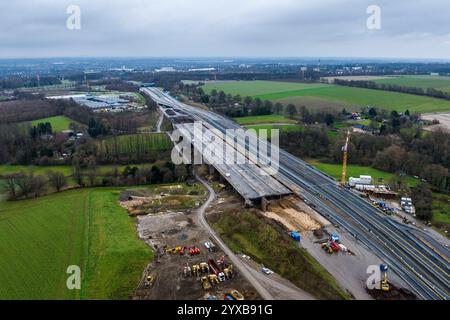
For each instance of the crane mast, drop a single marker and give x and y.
(344, 161)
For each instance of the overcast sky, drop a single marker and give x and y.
(280, 28)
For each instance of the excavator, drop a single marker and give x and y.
(205, 283)
(213, 279)
(228, 271)
(204, 268)
(195, 269)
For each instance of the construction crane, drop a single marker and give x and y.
(344, 161)
(384, 284)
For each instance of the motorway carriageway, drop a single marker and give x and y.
(425, 271)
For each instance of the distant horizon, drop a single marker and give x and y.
(225, 58)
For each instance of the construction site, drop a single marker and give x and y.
(188, 264)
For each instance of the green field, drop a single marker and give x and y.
(335, 171)
(59, 123)
(269, 127)
(424, 82)
(352, 98)
(441, 208)
(135, 144)
(257, 88)
(40, 238)
(263, 120)
(9, 169)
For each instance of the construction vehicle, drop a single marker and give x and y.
(205, 283)
(174, 250)
(228, 296)
(221, 277)
(221, 262)
(228, 271)
(195, 269)
(344, 160)
(204, 268)
(187, 271)
(149, 280)
(384, 285)
(213, 267)
(213, 279)
(194, 251)
(236, 295)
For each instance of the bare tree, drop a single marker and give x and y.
(57, 179)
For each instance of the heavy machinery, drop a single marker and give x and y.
(236, 295)
(213, 267)
(344, 160)
(228, 271)
(194, 251)
(213, 279)
(187, 271)
(204, 268)
(384, 284)
(174, 250)
(205, 283)
(195, 269)
(149, 280)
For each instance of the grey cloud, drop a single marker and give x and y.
(410, 28)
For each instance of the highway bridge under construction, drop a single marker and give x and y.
(417, 258)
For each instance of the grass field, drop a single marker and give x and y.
(441, 208)
(59, 123)
(257, 238)
(257, 88)
(40, 238)
(352, 98)
(135, 144)
(269, 127)
(335, 170)
(263, 120)
(424, 82)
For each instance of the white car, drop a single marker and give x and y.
(266, 270)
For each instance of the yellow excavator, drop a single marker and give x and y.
(205, 283)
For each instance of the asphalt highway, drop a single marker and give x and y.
(423, 267)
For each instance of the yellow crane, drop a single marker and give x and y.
(344, 161)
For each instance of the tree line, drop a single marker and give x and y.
(23, 185)
(430, 92)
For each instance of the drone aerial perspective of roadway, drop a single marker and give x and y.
(225, 150)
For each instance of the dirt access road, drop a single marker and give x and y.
(274, 287)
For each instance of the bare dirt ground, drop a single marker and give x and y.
(443, 118)
(293, 214)
(168, 229)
